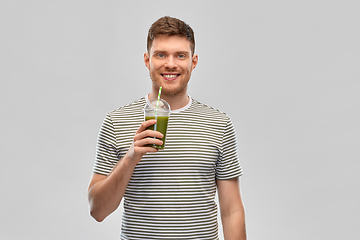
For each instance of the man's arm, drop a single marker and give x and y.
(231, 209)
(105, 192)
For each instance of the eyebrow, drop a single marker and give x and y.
(178, 52)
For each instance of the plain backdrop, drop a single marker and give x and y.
(287, 73)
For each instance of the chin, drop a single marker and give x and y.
(173, 92)
(172, 88)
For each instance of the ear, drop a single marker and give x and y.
(194, 61)
(147, 60)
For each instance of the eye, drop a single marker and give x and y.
(160, 55)
(181, 56)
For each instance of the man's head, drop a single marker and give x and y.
(169, 26)
(170, 57)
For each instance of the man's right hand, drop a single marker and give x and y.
(142, 138)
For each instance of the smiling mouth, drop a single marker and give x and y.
(170, 75)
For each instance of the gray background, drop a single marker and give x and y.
(287, 72)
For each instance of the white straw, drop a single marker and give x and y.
(157, 105)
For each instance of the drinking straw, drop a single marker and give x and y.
(157, 105)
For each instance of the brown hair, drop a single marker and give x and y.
(170, 26)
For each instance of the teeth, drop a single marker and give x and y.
(170, 76)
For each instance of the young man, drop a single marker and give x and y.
(169, 193)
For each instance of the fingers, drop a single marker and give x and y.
(142, 138)
(148, 134)
(145, 136)
(145, 125)
(146, 141)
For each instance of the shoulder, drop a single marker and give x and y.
(208, 111)
(132, 109)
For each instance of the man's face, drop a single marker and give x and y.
(170, 64)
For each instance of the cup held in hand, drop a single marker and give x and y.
(159, 110)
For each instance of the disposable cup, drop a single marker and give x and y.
(159, 110)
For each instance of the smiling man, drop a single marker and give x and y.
(169, 193)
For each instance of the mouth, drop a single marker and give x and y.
(170, 76)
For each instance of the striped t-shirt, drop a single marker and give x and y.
(171, 194)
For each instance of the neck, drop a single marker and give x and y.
(175, 102)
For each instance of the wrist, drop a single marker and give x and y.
(130, 161)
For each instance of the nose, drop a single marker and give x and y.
(170, 63)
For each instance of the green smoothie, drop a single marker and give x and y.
(161, 126)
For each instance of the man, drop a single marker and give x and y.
(169, 193)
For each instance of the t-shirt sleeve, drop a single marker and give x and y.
(106, 152)
(228, 165)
